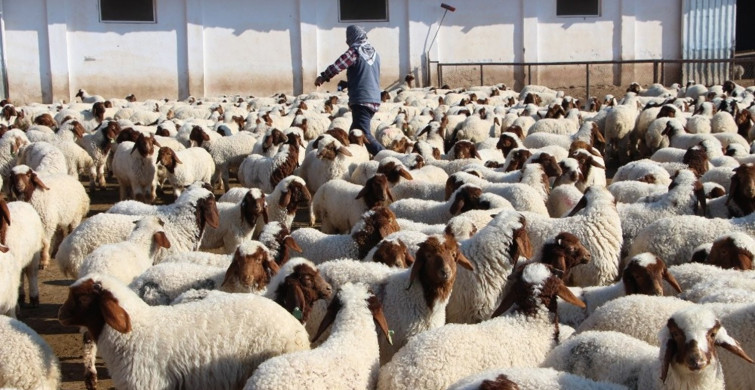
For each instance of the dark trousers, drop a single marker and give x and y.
(361, 117)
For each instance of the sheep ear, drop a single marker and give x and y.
(457, 205)
(175, 158)
(133, 149)
(5, 211)
(405, 174)
(362, 193)
(294, 300)
(670, 352)
(265, 217)
(463, 261)
(271, 265)
(285, 199)
(343, 150)
(569, 297)
(390, 194)
(506, 303)
(579, 206)
(417, 266)
(726, 342)
(38, 182)
(329, 318)
(668, 277)
(408, 258)
(702, 201)
(210, 212)
(373, 303)
(291, 244)
(523, 244)
(596, 164)
(734, 186)
(233, 268)
(113, 313)
(161, 240)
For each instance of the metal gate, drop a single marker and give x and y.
(708, 32)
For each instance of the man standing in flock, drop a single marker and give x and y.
(362, 64)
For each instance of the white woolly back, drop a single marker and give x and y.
(270, 231)
(536, 274)
(644, 259)
(741, 240)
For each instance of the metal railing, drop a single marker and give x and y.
(591, 74)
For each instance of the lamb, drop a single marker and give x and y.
(595, 221)
(339, 204)
(393, 252)
(185, 222)
(494, 250)
(348, 358)
(521, 196)
(99, 145)
(643, 274)
(21, 238)
(186, 167)
(238, 222)
(466, 197)
(439, 357)
(530, 378)
(414, 300)
(687, 358)
(374, 225)
(28, 361)
(564, 195)
(252, 329)
(289, 194)
(249, 269)
(639, 169)
(60, 200)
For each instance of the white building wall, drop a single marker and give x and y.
(208, 48)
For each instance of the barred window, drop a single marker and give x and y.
(131, 11)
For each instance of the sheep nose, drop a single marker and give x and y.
(696, 362)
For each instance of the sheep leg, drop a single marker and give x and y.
(226, 180)
(123, 191)
(101, 177)
(21, 293)
(90, 358)
(92, 178)
(32, 271)
(45, 260)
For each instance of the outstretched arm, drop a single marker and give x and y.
(344, 61)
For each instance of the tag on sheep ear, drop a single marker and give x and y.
(297, 313)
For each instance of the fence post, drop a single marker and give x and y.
(587, 83)
(529, 74)
(655, 71)
(481, 75)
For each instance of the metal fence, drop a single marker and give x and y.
(596, 77)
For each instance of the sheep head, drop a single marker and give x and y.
(645, 273)
(393, 170)
(393, 253)
(294, 194)
(300, 288)
(376, 191)
(732, 251)
(742, 190)
(435, 267)
(689, 340)
(168, 158)
(93, 306)
(253, 205)
(563, 253)
(375, 225)
(251, 269)
(24, 181)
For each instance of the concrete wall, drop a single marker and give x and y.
(206, 48)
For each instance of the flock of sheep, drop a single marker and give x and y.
(483, 248)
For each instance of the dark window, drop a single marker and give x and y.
(578, 7)
(127, 11)
(361, 10)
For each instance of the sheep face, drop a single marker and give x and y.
(645, 273)
(401, 145)
(518, 158)
(9, 111)
(127, 134)
(468, 198)
(145, 145)
(300, 289)
(24, 181)
(435, 268)
(393, 254)
(253, 206)
(742, 190)
(90, 305)
(296, 195)
(534, 288)
(168, 158)
(78, 129)
(45, 120)
(564, 253)
(465, 149)
(274, 137)
(689, 340)
(331, 151)
(109, 134)
(549, 164)
(375, 225)
(206, 214)
(376, 191)
(725, 253)
(98, 110)
(198, 136)
(249, 272)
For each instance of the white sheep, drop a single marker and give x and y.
(265, 172)
(99, 145)
(639, 169)
(226, 152)
(29, 363)
(347, 359)
(531, 378)
(630, 191)
(60, 200)
(374, 225)
(414, 300)
(466, 197)
(289, 194)
(185, 222)
(686, 358)
(135, 167)
(186, 166)
(238, 222)
(246, 327)
(339, 204)
(589, 132)
(523, 197)
(596, 223)
(21, 238)
(43, 157)
(439, 357)
(329, 161)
